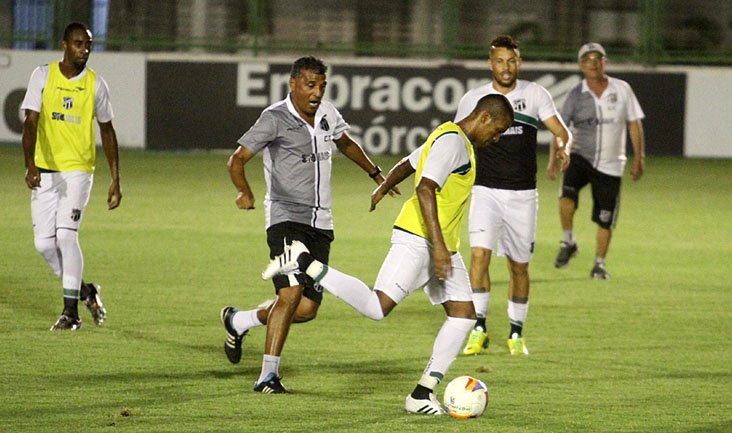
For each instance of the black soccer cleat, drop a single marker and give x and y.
(232, 346)
(271, 385)
(66, 322)
(599, 272)
(566, 252)
(93, 303)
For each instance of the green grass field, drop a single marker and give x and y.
(647, 351)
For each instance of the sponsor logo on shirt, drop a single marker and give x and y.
(514, 130)
(313, 157)
(66, 118)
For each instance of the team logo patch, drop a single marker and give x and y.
(324, 124)
(613, 97)
(75, 214)
(605, 215)
(519, 105)
(318, 288)
(68, 103)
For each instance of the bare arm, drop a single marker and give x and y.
(559, 146)
(30, 129)
(355, 153)
(428, 205)
(111, 151)
(635, 129)
(237, 161)
(396, 175)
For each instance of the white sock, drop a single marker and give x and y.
(245, 320)
(517, 313)
(72, 261)
(600, 260)
(448, 343)
(48, 249)
(568, 236)
(270, 364)
(351, 290)
(481, 301)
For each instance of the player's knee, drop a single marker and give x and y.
(570, 193)
(302, 316)
(67, 238)
(45, 246)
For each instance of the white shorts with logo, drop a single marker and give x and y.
(60, 201)
(506, 218)
(409, 266)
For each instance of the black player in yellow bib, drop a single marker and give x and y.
(62, 102)
(424, 242)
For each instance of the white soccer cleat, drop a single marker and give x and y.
(427, 406)
(285, 262)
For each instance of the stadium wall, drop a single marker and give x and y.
(169, 101)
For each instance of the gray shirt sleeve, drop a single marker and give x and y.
(263, 132)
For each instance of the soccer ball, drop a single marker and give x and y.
(466, 397)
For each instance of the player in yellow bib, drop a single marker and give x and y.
(424, 242)
(62, 102)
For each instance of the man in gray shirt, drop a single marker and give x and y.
(294, 136)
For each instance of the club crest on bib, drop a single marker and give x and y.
(68, 102)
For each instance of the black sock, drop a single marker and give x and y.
(86, 290)
(421, 392)
(304, 261)
(70, 307)
(480, 323)
(515, 329)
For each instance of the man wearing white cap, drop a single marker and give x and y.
(600, 110)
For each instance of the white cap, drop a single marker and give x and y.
(589, 47)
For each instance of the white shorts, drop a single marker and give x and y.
(505, 215)
(409, 266)
(60, 201)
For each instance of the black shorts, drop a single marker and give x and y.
(605, 190)
(318, 242)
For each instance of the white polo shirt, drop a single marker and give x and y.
(600, 124)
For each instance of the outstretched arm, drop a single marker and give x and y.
(428, 205)
(237, 161)
(397, 174)
(111, 150)
(355, 153)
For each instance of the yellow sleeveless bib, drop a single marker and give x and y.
(65, 140)
(452, 198)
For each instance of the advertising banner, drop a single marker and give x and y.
(391, 109)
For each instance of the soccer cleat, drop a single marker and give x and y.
(517, 345)
(94, 304)
(232, 346)
(285, 262)
(599, 272)
(66, 323)
(477, 341)
(271, 385)
(566, 252)
(425, 406)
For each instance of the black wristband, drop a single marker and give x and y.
(376, 173)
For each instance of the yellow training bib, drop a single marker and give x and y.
(65, 140)
(452, 198)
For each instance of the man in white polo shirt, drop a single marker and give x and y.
(601, 110)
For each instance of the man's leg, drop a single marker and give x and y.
(518, 304)
(480, 281)
(460, 319)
